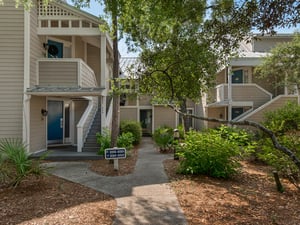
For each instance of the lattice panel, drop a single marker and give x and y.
(52, 10)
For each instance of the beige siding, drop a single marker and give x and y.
(11, 69)
(36, 47)
(80, 107)
(128, 114)
(217, 113)
(269, 86)
(93, 60)
(164, 116)
(277, 103)
(79, 48)
(58, 73)
(37, 124)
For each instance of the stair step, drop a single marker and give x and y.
(90, 149)
(90, 144)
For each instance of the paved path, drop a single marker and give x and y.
(143, 197)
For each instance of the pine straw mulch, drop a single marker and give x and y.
(248, 199)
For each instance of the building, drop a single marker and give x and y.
(55, 64)
(239, 94)
(141, 108)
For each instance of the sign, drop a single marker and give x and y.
(115, 153)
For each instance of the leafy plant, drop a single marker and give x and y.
(104, 141)
(15, 164)
(163, 137)
(133, 127)
(209, 153)
(125, 140)
(283, 119)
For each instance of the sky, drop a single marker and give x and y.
(96, 10)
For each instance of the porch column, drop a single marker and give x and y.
(26, 98)
(103, 113)
(103, 61)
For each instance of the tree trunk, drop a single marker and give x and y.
(116, 97)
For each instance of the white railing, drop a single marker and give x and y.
(243, 92)
(87, 76)
(109, 115)
(86, 121)
(66, 72)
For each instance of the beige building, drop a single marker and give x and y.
(54, 70)
(239, 94)
(142, 109)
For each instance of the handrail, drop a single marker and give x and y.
(86, 121)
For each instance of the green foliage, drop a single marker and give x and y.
(104, 141)
(15, 164)
(133, 127)
(211, 154)
(163, 137)
(237, 136)
(283, 119)
(282, 66)
(125, 140)
(277, 159)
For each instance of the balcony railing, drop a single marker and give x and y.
(241, 92)
(65, 73)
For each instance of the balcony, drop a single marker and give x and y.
(65, 73)
(241, 93)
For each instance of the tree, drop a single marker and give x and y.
(283, 65)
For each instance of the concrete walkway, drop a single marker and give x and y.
(143, 197)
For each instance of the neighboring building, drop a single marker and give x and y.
(54, 70)
(142, 109)
(239, 94)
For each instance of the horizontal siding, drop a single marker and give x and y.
(37, 124)
(93, 60)
(128, 114)
(259, 116)
(63, 74)
(164, 116)
(11, 69)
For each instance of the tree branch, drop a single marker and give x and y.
(270, 134)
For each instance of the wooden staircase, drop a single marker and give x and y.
(90, 144)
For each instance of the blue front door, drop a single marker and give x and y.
(55, 122)
(237, 77)
(55, 49)
(236, 111)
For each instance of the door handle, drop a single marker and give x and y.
(61, 122)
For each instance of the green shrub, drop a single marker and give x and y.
(163, 137)
(283, 119)
(210, 154)
(125, 140)
(133, 127)
(104, 141)
(277, 159)
(15, 164)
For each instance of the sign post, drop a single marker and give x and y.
(115, 154)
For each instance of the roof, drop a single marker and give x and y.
(128, 66)
(65, 91)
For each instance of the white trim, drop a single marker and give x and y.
(26, 98)
(103, 62)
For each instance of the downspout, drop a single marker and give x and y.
(26, 97)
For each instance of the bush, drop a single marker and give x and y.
(104, 141)
(15, 164)
(125, 140)
(277, 159)
(283, 119)
(132, 127)
(210, 154)
(163, 137)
